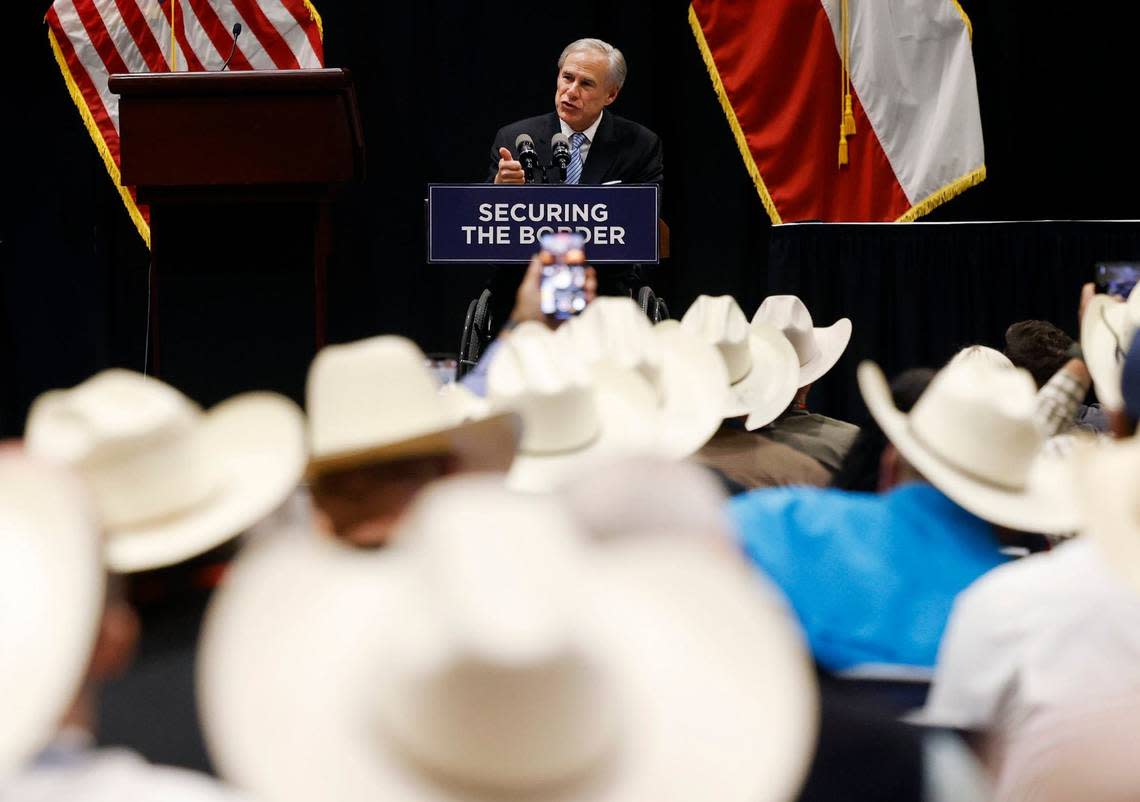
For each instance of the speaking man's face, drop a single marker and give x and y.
(583, 89)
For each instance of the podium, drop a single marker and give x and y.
(239, 170)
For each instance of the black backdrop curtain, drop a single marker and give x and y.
(436, 79)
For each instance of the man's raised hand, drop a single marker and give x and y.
(510, 171)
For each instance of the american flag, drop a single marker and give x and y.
(93, 39)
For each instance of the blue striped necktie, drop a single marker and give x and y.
(574, 169)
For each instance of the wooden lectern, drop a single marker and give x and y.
(239, 170)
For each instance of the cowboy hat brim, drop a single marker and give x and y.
(627, 408)
(771, 384)
(256, 447)
(832, 342)
(712, 684)
(1104, 329)
(694, 385)
(486, 444)
(1046, 504)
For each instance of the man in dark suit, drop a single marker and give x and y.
(604, 148)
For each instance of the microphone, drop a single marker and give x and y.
(527, 155)
(560, 143)
(233, 49)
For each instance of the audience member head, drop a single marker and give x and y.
(51, 589)
(862, 467)
(973, 435)
(519, 658)
(817, 348)
(763, 371)
(380, 430)
(169, 481)
(1039, 347)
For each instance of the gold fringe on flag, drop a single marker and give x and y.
(940, 196)
(733, 122)
(100, 145)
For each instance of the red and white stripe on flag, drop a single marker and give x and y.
(780, 69)
(92, 39)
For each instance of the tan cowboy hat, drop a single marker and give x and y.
(517, 659)
(762, 367)
(687, 374)
(573, 416)
(51, 597)
(1107, 330)
(375, 400)
(817, 349)
(972, 434)
(169, 481)
(1107, 478)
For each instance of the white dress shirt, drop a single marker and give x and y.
(1033, 636)
(584, 150)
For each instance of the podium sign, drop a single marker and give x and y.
(504, 223)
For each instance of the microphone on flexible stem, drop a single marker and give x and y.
(527, 155)
(233, 49)
(560, 144)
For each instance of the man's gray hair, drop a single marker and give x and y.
(617, 70)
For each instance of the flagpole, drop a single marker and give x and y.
(173, 52)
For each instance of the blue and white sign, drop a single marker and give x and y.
(501, 223)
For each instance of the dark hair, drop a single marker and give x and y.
(860, 467)
(1039, 347)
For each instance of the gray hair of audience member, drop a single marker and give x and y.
(646, 495)
(618, 69)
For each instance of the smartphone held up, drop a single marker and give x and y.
(562, 291)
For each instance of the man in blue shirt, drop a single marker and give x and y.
(872, 577)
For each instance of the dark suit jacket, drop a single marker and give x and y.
(621, 150)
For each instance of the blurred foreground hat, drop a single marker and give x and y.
(169, 481)
(687, 374)
(515, 658)
(972, 434)
(1107, 331)
(1107, 477)
(51, 600)
(572, 416)
(817, 348)
(375, 400)
(762, 367)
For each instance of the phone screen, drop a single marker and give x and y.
(562, 292)
(1117, 278)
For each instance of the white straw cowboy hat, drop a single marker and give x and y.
(1107, 330)
(375, 400)
(972, 434)
(169, 481)
(1107, 479)
(687, 374)
(818, 349)
(983, 353)
(573, 417)
(494, 651)
(762, 367)
(51, 597)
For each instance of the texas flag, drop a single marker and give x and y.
(847, 110)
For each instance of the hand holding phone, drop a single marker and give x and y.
(562, 292)
(1116, 278)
